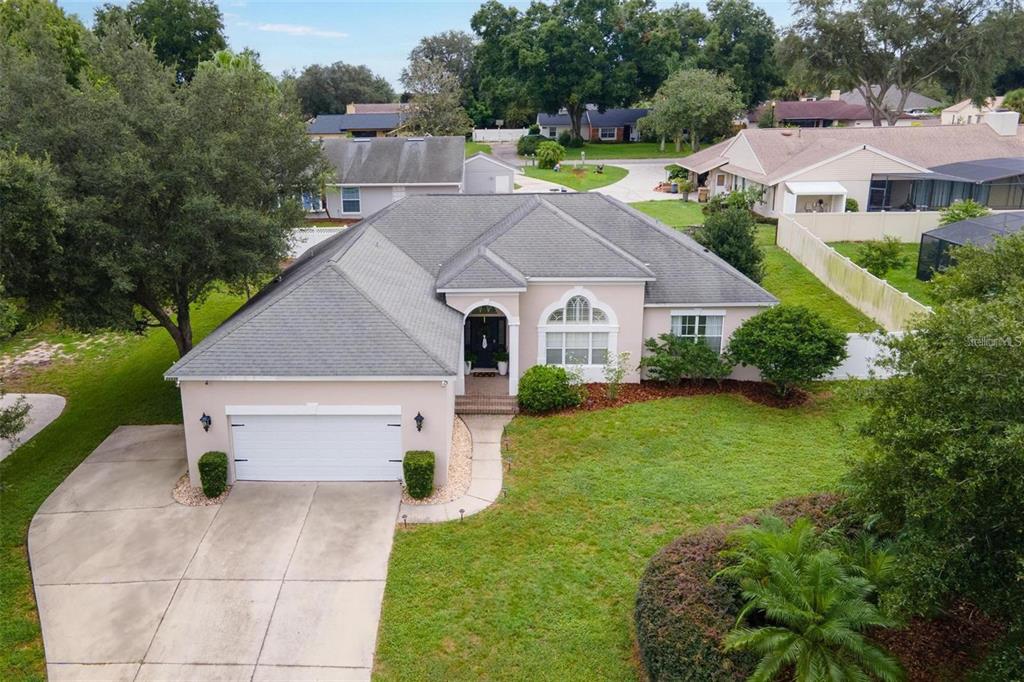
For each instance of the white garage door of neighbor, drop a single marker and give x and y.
(317, 447)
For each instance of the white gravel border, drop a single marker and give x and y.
(188, 496)
(460, 469)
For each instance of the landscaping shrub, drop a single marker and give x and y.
(851, 205)
(1004, 662)
(213, 473)
(614, 372)
(731, 234)
(549, 154)
(527, 145)
(675, 171)
(565, 138)
(418, 468)
(534, 129)
(543, 388)
(880, 256)
(962, 210)
(673, 358)
(791, 345)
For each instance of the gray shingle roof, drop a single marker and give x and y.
(326, 124)
(609, 118)
(397, 160)
(364, 302)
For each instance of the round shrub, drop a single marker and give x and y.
(543, 388)
(565, 138)
(213, 473)
(790, 344)
(534, 129)
(851, 205)
(418, 468)
(527, 144)
(549, 154)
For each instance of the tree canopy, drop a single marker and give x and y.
(329, 89)
(183, 32)
(165, 188)
(435, 106)
(696, 102)
(741, 44)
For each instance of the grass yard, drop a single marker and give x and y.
(904, 278)
(626, 150)
(474, 147)
(104, 390)
(785, 277)
(579, 179)
(542, 585)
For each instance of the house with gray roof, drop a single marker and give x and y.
(367, 346)
(899, 168)
(371, 173)
(610, 125)
(368, 124)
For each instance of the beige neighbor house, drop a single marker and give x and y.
(371, 173)
(801, 170)
(358, 352)
(967, 112)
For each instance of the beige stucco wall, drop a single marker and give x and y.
(659, 321)
(853, 172)
(436, 402)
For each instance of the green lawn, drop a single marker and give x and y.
(542, 585)
(904, 278)
(785, 278)
(627, 150)
(474, 147)
(104, 389)
(579, 179)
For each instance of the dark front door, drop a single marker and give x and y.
(484, 336)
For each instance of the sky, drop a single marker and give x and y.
(292, 35)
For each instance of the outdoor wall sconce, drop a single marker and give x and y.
(419, 421)
(206, 421)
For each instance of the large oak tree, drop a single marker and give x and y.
(168, 188)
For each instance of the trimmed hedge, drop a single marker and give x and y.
(418, 468)
(682, 614)
(544, 388)
(213, 473)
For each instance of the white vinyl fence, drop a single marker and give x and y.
(874, 297)
(863, 352)
(499, 134)
(907, 226)
(306, 237)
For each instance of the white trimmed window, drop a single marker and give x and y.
(312, 202)
(698, 327)
(606, 133)
(351, 201)
(578, 334)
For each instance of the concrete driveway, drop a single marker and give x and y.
(639, 185)
(284, 581)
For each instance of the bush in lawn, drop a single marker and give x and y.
(790, 344)
(527, 144)
(962, 210)
(614, 372)
(534, 129)
(418, 468)
(549, 154)
(543, 388)
(880, 256)
(565, 138)
(736, 199)
(672, 358)
(731, 234)
(851, 205)
(213, 473)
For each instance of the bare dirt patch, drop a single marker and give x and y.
(40, 355)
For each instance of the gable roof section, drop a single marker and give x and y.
(891, 100)
(396, 160)
(326, 124)
(484, 271)
(481, 157)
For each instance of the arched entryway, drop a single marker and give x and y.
(490, 348)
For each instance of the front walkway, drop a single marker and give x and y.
(485, 487)
(284, 581)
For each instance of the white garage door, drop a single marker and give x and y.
(317, 447)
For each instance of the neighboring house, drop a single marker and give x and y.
(901, 168)
(967, 112)
(327, 126)
(376, 108)
(916, 104)
(611, 125)
(356, 353)
(935, 253)
(370, 174)
(823, 113)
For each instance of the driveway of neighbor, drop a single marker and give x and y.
(43, 409)
(639, 184)
(284, 581)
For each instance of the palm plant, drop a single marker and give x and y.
(807, 607)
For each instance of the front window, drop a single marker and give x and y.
(552, 132)
(350, 200)
(311, 202)
(579, 336)
(706, 328)
(607, 133)
(577, 310)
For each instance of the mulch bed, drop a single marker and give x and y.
(944, 647)
(755, 391)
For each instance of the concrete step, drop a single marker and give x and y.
(486, 404)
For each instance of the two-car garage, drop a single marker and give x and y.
(333, 443)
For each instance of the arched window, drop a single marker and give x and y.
(577, 334)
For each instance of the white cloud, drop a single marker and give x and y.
(299, 30)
